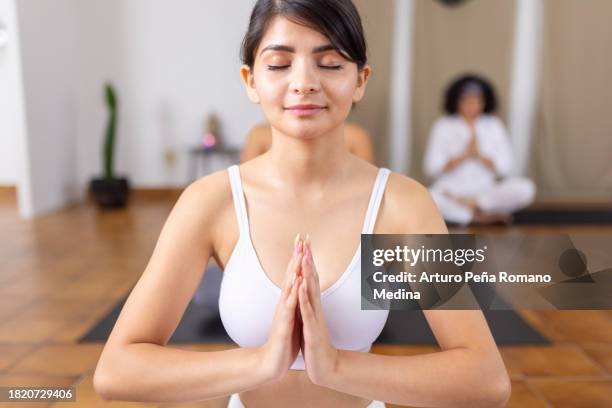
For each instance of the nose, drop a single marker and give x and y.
(304, 79)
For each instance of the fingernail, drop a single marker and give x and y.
(308, 238)
(297, 237)
(298, 243)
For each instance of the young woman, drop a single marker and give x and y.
(293, 305)
(470, 158)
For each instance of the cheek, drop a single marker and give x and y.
(341, 92)
(269, 93)
(270, 90)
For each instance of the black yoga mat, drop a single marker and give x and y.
(548, 216)
(201, 323)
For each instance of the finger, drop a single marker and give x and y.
(297, 248)
(297, 265)
(312, 283)
(307, 272)
(292, 299)
(290, 267)
(291, 284)
(288, 313)
(313, 267)
(293, 268)
(307, 313)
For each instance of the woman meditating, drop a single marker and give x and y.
(470, 158)
(285, 227)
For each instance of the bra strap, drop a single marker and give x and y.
(239, 202)
(375, 200)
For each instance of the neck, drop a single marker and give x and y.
(470, 119)
(307, 164)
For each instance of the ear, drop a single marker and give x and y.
(362, 80)
(246, 73)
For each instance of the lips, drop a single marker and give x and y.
(305, 109)
(307, 106)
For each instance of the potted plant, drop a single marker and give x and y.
(110, 191)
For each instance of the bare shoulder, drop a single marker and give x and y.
(209, 193)
(408, 208)
(207, 205)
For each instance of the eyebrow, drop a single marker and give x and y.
(286, 48)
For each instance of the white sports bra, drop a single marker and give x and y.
(248, 297)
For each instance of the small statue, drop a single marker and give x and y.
(210, 139)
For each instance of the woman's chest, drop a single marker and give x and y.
(460, 135)
(334, 231)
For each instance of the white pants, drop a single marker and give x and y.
(506, 196)
(234, 402)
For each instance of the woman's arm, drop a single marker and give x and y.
(467, 372)
(500, 153)
(437, 159)
(135, 364)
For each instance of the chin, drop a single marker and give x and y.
(304, 132)
(310, 130)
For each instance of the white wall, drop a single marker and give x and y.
(49, 68)
(12, 130)
(171, 63)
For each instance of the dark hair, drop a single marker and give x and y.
(338, 20)
(457, 87)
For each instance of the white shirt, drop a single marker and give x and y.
(449, 138)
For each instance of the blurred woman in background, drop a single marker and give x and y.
(469, 156)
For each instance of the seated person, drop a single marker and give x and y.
(469, 156)
(357, 139)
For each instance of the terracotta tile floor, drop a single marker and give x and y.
(61, 273)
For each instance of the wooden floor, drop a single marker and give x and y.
(61, 273)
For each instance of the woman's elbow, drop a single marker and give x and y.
(499, 390)
(102, 383)
(106, 379)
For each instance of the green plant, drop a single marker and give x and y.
(111, 129)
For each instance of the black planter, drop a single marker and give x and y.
(110, 193)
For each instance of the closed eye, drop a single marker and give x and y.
(331, 66)
(280, 67)
(277, 67)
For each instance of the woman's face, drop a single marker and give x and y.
(471, 105)
(305, 87)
